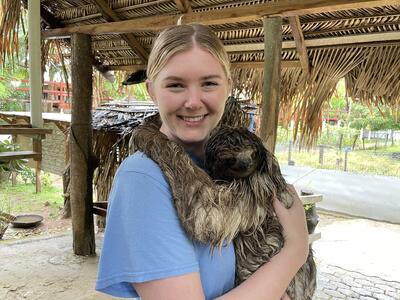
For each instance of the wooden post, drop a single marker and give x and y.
(81, 146)
(321, 155)
(35, 69)
(37, 147)
(272, 72)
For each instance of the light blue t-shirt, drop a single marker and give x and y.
(144, 239)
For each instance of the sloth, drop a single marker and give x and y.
(232, 200)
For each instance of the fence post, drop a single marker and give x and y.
(387, 137)
(392, 132)
(290, 161)
(346, 151)
(321, 154)
(340, 141)
(362, 137)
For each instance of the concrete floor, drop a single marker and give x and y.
(45, 268)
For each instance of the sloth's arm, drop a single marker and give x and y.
(200, 203)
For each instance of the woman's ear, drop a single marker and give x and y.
(150, 90)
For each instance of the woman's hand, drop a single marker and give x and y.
(294, 225)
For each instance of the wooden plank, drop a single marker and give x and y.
(217, 17)
(271, 89)
(300, 45)
(37, 147)
(311, 199)
(244, 65)
(321, 42)
(99, 211)
(314, 237)
(12, 155)
(132, 41)
(81, 184)
(25, 131)
(16, 126)
(258, 65)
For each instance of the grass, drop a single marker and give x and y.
(22, 198)
(372, 162)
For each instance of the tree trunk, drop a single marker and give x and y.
(272, 72)
(81, 146)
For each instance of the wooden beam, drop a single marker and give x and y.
(25, 131)
(131, 40)
(271, 88)
(321, 42)
(81, 146)
(300, 45)
(183, 6)
(127, 68)
(259, 64)
(217, 17)
(242, 65)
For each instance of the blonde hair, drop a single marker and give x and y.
(181, 38)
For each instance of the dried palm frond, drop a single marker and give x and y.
(10, 19)
(376, 80)
(329, 65)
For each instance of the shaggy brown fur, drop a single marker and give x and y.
(239, 207)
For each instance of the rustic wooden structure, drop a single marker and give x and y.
(37, 134)
(322, 41)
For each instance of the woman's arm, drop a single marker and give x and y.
(268, 282)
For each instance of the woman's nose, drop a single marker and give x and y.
(193, 99)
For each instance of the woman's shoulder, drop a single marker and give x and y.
(141, 164)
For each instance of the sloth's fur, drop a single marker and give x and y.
(237, 206)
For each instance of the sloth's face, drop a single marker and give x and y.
(234, 165)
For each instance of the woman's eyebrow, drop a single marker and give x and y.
(172, 78)
(177, 78)
(212, 77)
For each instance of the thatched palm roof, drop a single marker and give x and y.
(358, 40)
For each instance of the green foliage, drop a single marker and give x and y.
(12, 165)
(10, 97)
(362, 117)
(27, 175)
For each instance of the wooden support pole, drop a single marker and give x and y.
(81, 146)
(272, 72)
(37, 147)
(35, 69)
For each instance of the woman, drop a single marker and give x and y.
(146, 253)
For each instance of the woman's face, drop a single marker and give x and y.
(190, 92)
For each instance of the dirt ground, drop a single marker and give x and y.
(52, 223)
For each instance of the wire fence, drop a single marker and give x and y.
(366, 152)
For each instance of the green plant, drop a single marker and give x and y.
(46, 179)
(27, 175)
(6, 167)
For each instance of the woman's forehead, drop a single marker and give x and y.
(192, 62)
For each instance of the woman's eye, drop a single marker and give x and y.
(174, 85)
(210, 83)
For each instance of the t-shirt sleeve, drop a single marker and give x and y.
(144, 239)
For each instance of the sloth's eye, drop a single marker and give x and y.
(230, 161)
